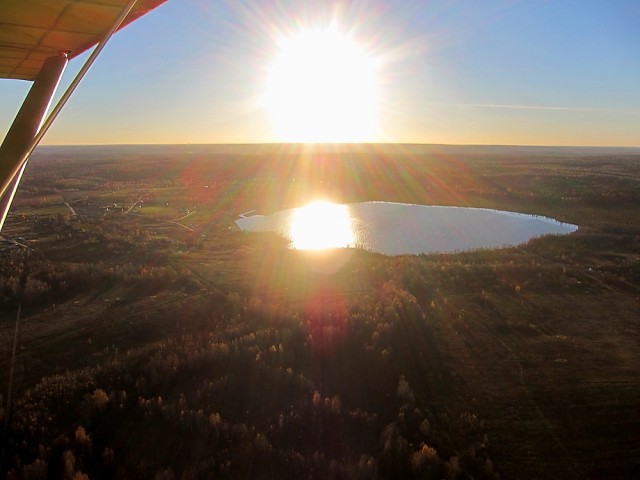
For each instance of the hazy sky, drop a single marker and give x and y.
(466, 72)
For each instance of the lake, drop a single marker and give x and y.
(400, 228)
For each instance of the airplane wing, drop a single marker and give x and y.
(33, 30)
(37, 39)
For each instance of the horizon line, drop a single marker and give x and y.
(314, 144)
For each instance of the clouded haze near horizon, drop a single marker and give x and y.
(466, 72)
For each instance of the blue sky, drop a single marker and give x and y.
(465, 72)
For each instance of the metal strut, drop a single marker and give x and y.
(29, 126)
(25, 127)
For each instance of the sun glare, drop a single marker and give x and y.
(322, 87)
(321, 225)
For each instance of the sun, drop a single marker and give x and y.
(322, 87)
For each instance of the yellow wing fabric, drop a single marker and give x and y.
(37, 39)
(33, 30)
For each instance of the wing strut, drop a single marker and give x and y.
(26, 126)
(29, 126)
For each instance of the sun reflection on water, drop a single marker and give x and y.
(321, 225)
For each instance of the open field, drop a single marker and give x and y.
(156, 339)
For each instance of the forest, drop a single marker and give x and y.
(142, 335)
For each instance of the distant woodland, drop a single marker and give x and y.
(155, 340)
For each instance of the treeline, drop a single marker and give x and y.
(328, 390)
(36, 280)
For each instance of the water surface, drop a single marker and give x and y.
(400, 228)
